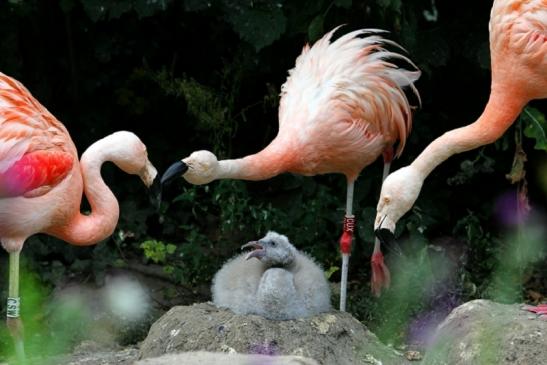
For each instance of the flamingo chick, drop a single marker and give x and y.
(41, 183)
(281, 284)
(518, 48)
(342, 106)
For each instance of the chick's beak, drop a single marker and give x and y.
(175, 170)
(258, 251)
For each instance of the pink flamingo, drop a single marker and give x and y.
(341, 107)
(518, 48)
(41, 183)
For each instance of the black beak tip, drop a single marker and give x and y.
(384, 235)
(155, 192)
(175, 170)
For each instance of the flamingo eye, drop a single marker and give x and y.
(273, 243)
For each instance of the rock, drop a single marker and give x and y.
(88, 356)
(413, 355)
(329, 338)
(215, 358)
(484, 332)
(91, 353)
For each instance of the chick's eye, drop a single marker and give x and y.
(273, 243)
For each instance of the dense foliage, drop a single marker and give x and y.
(188, 75)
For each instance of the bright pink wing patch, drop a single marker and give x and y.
(35, 173)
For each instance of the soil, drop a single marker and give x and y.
(329, 338)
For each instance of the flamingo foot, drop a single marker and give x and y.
(15, 327)
(381, 277)
(540, 310)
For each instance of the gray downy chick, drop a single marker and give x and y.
(274, 280)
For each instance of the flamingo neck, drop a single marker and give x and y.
(89, 229)
(499, 114)
(271, 161)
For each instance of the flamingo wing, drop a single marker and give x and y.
(352, 79)
(36, 152)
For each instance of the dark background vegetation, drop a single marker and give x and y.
(189, 75)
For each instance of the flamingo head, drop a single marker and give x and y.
(399, 192)
(201, 167)
(274, 249)
(131, 156)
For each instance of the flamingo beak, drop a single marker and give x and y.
(150, 177)
(154, 192)
(386, 237)
(175, 170)
(258, 251)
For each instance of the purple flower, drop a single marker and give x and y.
(264, 348)
(512, 208)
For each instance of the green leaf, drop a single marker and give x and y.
(95, 9)
(346, 4)
(535, 127)
(157, 251)
(395, 5)
(119, 8)
(100, 9)
(171, 248)
(66, 5)
(331, 271)
(196, 5)
(316, 27)
(259, 23)
(146, 8)
(470, 168)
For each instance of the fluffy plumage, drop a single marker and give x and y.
(350, 78)
(275, 281)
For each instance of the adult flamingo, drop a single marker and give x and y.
(342, 106)
(41, 183)
(518, 48)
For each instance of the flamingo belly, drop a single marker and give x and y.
(21, 216)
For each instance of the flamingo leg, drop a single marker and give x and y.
(345, 245)
(13, 320)
(381, 278)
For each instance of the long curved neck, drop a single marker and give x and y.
(271, 161)
(83, 229)
(499, 114)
